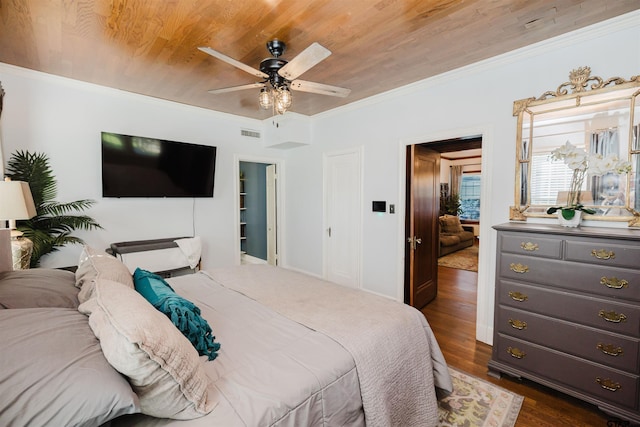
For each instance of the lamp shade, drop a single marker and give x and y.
(16, 201)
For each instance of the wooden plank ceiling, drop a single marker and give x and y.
(150, 46)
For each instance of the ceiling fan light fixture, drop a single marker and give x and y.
(284, 96)
(279, 107)
(265, 99)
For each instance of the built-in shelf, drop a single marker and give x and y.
(243, 224)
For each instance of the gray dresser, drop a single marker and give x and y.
(567, 312)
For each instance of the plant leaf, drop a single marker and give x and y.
(54, 222)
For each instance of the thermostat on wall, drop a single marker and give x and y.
(379, 206)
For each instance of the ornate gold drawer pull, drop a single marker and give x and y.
(612, 316)
(614, 282)
(518, 324)
(515, 352)
(608, 384)
(517, 296)
(529, 246)
(603, 254)
(609, 349)
(519, 268)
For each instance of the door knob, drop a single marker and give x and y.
(414, 242)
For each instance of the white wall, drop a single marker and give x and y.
(471, 165)
(474, 100)
(63, 118)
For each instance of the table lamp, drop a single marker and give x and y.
(16, 202)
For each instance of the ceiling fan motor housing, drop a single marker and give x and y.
(271, 66)
(276, 47)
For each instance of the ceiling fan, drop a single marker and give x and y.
(280, 75)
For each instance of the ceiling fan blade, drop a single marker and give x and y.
(235, 88)
(305, 60)
(244, 67)
(322, 89)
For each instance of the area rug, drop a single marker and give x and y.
(464, 259)
(478, 403)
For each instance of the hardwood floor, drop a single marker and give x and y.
(452, 317)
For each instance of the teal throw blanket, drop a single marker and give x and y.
(183, 313)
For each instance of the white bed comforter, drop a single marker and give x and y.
(397, 357)
(283, 360)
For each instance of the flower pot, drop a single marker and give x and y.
(573, 222)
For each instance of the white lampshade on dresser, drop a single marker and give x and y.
(16, 202)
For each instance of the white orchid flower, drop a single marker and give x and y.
(582, 164)
(577, 159)
(563, 151)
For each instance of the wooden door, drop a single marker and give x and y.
(421, 229)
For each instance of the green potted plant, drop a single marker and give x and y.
(451, 205)
(53, 224)
(582, 164)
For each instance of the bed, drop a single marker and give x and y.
(294, 351)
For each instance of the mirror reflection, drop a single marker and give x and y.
(592, 130)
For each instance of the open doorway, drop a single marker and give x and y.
(258, 201)
(468, 150)
(461, 181)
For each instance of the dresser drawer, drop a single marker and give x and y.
(603, 252)
(530, 244)
(613, 282)
(599, 381)
(611, 350)
(586, 310)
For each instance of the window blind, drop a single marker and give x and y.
(547, 179)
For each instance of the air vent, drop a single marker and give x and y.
(250, 133)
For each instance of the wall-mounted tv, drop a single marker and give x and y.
(135, 166)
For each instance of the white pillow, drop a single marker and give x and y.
(93, 265)
(141, 343)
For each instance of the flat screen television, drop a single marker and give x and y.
(135, 166)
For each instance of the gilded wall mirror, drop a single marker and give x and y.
(589, 115)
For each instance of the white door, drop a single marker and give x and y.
(343, 217)
(273, 220)
(272, 247)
